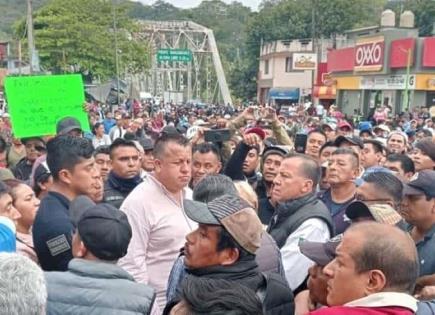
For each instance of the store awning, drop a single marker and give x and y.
(324, 92)
(284, 93)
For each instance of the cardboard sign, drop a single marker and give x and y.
(37, 103)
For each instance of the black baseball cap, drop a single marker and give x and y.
(105, 231)
(422, 183)
(68, 124)
(351, 139)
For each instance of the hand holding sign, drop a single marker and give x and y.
(37, 103)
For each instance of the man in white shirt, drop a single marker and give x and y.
(156, 214)
(298, 215)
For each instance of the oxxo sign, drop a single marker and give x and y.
(369, 54)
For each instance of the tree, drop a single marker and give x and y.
(79, 36)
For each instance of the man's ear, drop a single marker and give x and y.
(220, 167)
(65, 176)
(81, 251)
(376, 282)
(229, 256)
(157, 165)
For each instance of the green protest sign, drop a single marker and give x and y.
(37, 103)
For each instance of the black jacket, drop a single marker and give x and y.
(117, 189)
(272, 288)
(291, 214)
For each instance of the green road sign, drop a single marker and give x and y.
(183, 55)
(37, 103)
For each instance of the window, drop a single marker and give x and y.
(288, 64)
(266, 67)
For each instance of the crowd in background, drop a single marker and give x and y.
(193, 209)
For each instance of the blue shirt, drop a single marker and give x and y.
(425, 250)
(108, 124)
(337, 210)
(52, 233)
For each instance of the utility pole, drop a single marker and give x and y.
(30, 41)
(115, 30)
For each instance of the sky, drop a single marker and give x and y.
(253, 4)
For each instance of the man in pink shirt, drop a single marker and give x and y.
(156, 213)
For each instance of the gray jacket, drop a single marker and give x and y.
(90, 287)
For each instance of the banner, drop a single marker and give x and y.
(37, 103)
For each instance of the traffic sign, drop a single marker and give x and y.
(182, 55)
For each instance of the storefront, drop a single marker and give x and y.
(386, 69)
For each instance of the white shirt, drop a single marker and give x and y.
(295, 264)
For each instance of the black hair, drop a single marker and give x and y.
(95, 127)
(349, 152)
(213, 186)
(207, 147)
(327, 144)
(166, 138)
(386, 184)
(377, 146)
(3, 188)
(65, 152)
(226, 241)
(3, 145)
(203, 295)
(102, 149)
(120, 142)
(317, 130)
(310, 168)
(426, 132)
(405, 162)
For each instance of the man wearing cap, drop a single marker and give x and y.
(321, 253)
(69, 126)
(156, 212)
(270, 162)
(418, 209)
(147, 156)
(299, 214)
(93, 282)
(344, 128)
(35, 147)
(329, 128)
(374, 272)
(125, 173)
(353, 142)
(397, 142)
(224, 246)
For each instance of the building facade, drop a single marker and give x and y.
(387, 65)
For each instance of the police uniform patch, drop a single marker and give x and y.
(58, 245)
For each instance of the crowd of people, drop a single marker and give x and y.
(214, 210)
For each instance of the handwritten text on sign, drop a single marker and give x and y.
(369, 54)
(37, 103)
